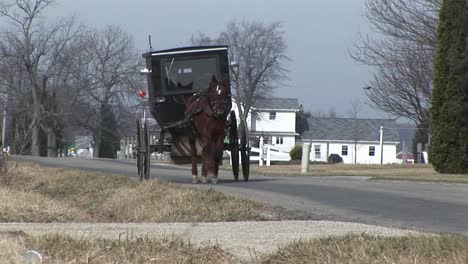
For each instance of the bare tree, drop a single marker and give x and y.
(330, 113)
(35, 47)
(403, 59)
(354, 114)
(259, 51)
(107, 70)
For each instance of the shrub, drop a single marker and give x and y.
(296, 152)
(449, 136)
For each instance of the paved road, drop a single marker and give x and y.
(430, 207)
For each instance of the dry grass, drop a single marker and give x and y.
(37, 194)
(5, 177)
(79, 189)
(353, 249)
(20, 206)
(417, 172)
(11, 246)
(375, 250)
(159, 202)
(60, 249)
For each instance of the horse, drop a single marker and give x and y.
(206, 114)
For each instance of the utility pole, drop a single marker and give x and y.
(404, 153)
(4, 122)
(305, 158)
(381, 145)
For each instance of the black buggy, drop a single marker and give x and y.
(174, 75)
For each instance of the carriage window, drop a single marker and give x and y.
(188, 75)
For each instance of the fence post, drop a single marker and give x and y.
(122, 149)
(268, 155)
(130, 148)
(260, 154)
(381, 145)
(305, 158)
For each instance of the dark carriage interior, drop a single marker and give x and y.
(187, 75)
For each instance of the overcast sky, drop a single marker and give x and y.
(319, 34)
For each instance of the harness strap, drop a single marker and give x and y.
(188, 117)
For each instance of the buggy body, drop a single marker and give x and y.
(175, 74)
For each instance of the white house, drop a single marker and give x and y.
(274, 119)
(356, 141)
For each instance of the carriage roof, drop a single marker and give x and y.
(186, 50)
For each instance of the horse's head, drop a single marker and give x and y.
(217, 96)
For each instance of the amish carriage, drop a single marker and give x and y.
(174, 77)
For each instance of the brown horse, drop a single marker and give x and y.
(207, 113)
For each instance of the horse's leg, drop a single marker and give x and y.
(211, 162)
(204, 172)
(205, 154)
(218, 154)
(205, 158)
(193, 153)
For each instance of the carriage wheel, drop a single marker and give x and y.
(146, 153)
(142, 149)
(245, 154)
(139, 155)
(234, 144)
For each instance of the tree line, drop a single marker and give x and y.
(58, 76)
(419, 71)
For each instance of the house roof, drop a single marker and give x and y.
(273, 133)
(276, 104)
(349, 129)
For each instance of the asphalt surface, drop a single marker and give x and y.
(427, 207)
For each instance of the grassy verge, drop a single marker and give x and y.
(378, 172)
(353, 249)
(37, 194)
(375, 250)
(59, 249)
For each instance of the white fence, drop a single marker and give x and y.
(127, 149)
(266, 153)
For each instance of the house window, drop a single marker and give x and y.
(317, 151)
(272, 115)
(371, 150)
(344, 150)
(279, 140)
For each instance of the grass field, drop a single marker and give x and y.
(355, 249)
(36, 194)
(417, 172)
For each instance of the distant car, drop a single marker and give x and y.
(335, 158)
